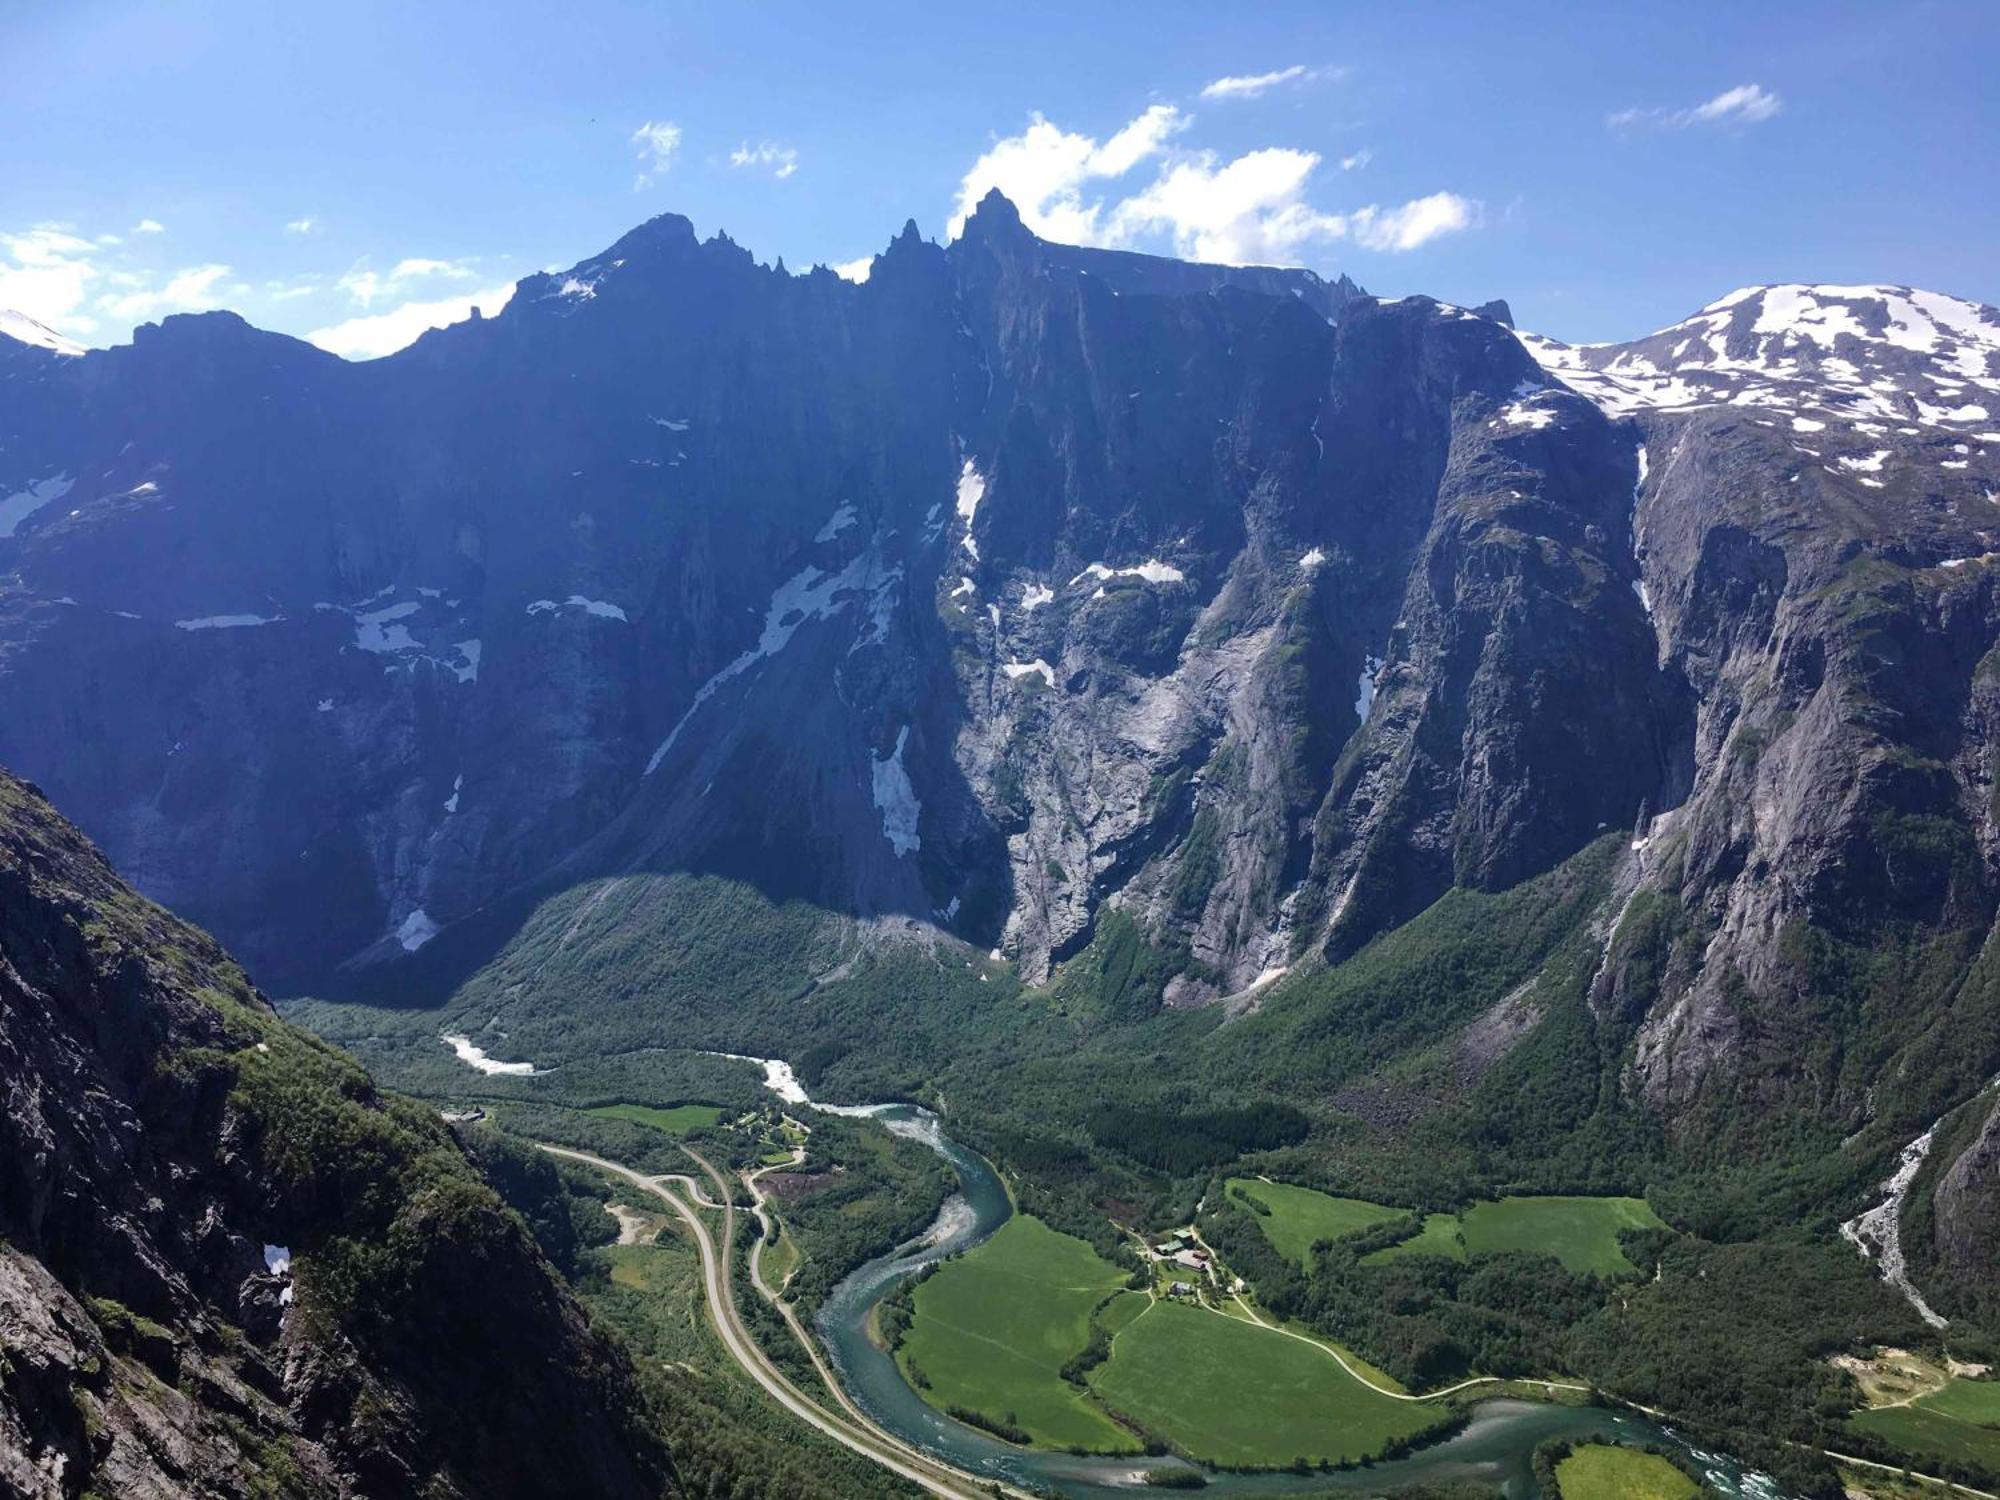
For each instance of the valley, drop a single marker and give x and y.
(1384, 904)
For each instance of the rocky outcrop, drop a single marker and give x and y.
(227, 1265)
(1022, 583)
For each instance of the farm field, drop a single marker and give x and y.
(1229, 1392)
(678, 1120)
(1582, 1233)
(1441, 1235)
(1300, 1217)
(1974, 1401)
(1600, 1471)
(1924, 1433)
(993, 1329)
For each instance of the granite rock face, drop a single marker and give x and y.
(1022, 582)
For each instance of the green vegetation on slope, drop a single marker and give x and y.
(993, 1331)
(1295, 1218)
(679, 1120)
(1599, 1471)
(1232, 1393)
(1582, 1233)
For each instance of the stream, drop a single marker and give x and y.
(1497, 1446)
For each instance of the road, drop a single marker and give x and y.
(853, 1432)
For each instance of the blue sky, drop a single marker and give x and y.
(355, 171)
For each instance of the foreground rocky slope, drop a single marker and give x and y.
(227, 1265)
(1024, 583)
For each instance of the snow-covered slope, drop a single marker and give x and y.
(21, 327)
(1874, 353)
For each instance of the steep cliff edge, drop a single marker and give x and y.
(228, 1266)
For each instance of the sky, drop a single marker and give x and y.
(355, 172)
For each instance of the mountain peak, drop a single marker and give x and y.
(1874, 353)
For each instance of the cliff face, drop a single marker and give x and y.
(227, 1265)
(1023, 582)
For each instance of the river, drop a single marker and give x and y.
(1497, 1446)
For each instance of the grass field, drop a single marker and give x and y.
(1974, 1401)
(1582, 1233)
(1232, 1393)
(1602, 1472)
(993, 1329)
(1925, 1434)
(1300, 1217)
(676, 1121)
(1441, 1235)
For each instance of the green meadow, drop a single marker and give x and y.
(993, 1329)
(1300, 1218)
(679, 1120)
(1230, 1392)
(1602, 1472)
(1582, 1233)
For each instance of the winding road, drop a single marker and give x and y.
(853, 1431)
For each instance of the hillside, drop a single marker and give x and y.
(228, 1265)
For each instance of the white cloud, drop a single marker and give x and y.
(1252, 209)
(782, 160)
(384, 333)
(1746, 104)
(149, 226)
(1249, 86)
(1248, 211)
(1357, 161)
(190, 290)
(1043, 171)
(657, 141)
(364, 285)
(1417, 222)
(47, 274)
(417, 266)
(308, 225)
(855, 270)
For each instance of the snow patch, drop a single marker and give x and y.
(1033, 597)
(1364, 694)
(1152, 570)
(227, 622)
(837, 523)
(417, 929)
(381, 630)
(466, 669)
(896, 799)
(971, 490)
(18, 506)
(1019, 669)
(807, 595)
(595, 607)
(1312, 560)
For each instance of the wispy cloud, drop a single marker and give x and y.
(195, 289)
(365, 286)
(1356, 161)
(655, 142)
(149, 226)
(1251, 209)
(854, 270)
(307, 225)
(782, 160)
(385, 332)
(1250, 85)
(1746, 104)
